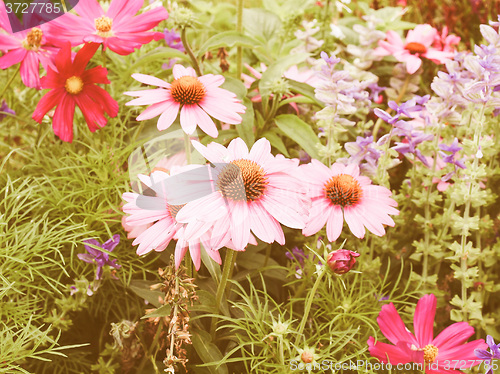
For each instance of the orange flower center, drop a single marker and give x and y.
(430, 353)
(103, 25)
(174, 209)
(187, 90)
(33, 39)
(415, 48)
(343, 190)
(242, 180)
(74, 85)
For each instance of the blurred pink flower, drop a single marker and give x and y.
(30, 48)
(118, 28)
(340, 192)
(422, 347)
(197, 98)
(419, 43)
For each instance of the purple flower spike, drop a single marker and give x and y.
(330, 60)
(99, 257)
(452, 158)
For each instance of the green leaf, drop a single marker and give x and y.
(276, 142)
(305, 90)
(275, 71)
(208, 351)
(212, 266)
(261, 24)
(227, 39)
(142, 288)
(245, 128)
(236, 86)
(162, 311)
(300, 132)
(163, 53)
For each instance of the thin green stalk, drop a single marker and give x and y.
(187, 147)
(153, 345)
(465, 234)
(309, 303)
(11, 79)
(239, 28)
(188, 49)
(228, 265)
(103, 57)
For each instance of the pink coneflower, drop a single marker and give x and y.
(30, 48)
(436, 353)
(253, 191)
(198, 98)
(340, 192)
(157, 223)
(71, 85)
(418, 44)
(118, 28)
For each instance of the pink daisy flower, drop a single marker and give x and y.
(436, 353)
(340, 192)
(198, 98)
(418, 44)
(156, 223)
(252, 191)
(118, 28)
(28, 47)
(70, 86)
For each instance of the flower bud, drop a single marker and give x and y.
(341, 261)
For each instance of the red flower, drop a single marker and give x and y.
(341, 261)
(436, 353)
(72, 86)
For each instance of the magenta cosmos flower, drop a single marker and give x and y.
(157, 221)
(198, 98)
(340, 192)
(28, 47)
(437, 353)
(118, 28)
(71, 85)
(252, 191)
(418, 44)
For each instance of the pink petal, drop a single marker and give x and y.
(423, 320)
(195, 252)
(154, 110)
(261, 151)
(354, 221)
(168, 116)
(318, 216)
(180, 71)
(149, 79)
(335, 223)
(386, 352)
(283, 209)
(214, 152)
(240, 224)
(456, 334)
(237, 149)
(13, 57)
(210, 80)
(392, 326)
(264, 226)
(188, 118)
(89, 9)
(62, 124)
(205, 122)
(462, 351)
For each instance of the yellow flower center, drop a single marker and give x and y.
(430, 353)
(343, 190)
(242, 180)
(103, 26)
(33, 39)
(187, 90)
(74, 85)
(415, 48)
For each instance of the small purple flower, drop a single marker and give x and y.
(494, 353)
(451, 158)
(5, 109)
(98, 257)
(297, 254)
(330, 60)
(173, 40)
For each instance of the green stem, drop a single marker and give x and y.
(103, 56)
(154, 344)
(188, 49)
(309, 303)
(187, 147)
(9, 82)
(239, 51)
(465, 232)
(228, 265)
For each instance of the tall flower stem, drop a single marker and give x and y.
(228, 266)
(309, 303)
(187, 148)
(239, 28)
(9, 82)
(465, 230)
(188, 49)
